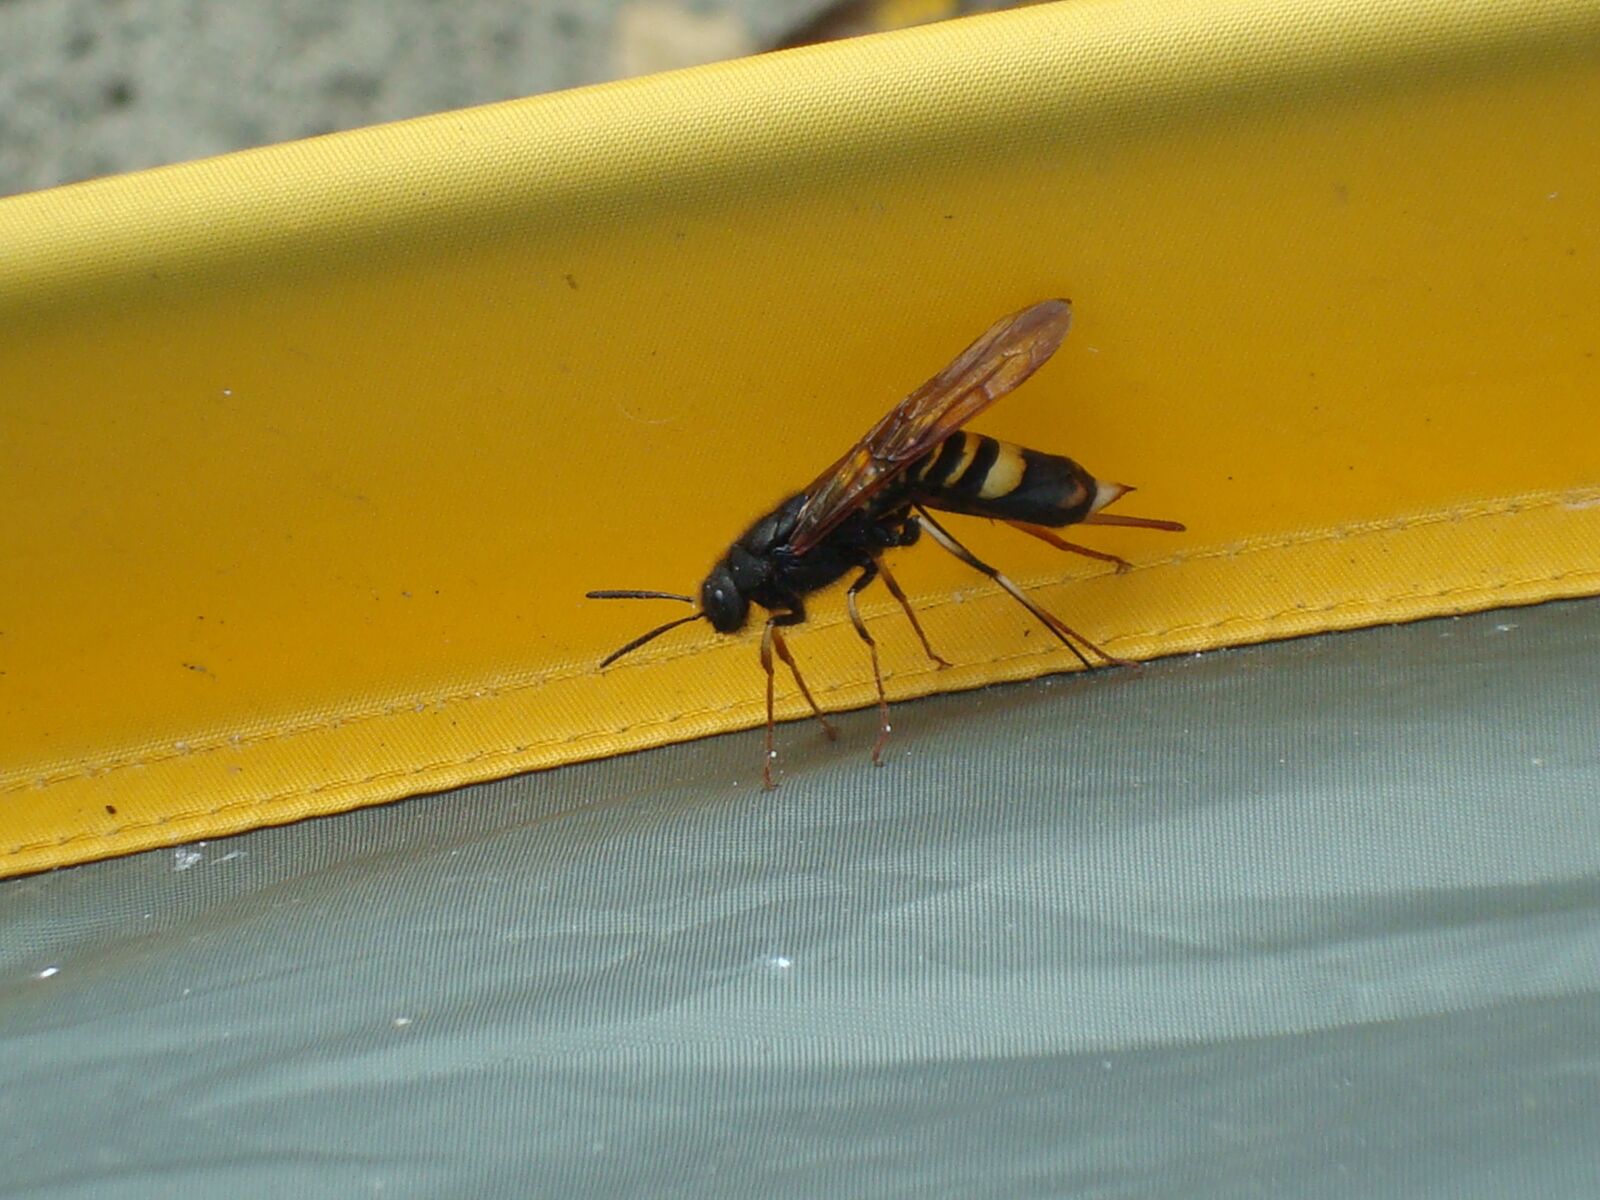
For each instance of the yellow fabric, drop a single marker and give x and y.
(308, 454)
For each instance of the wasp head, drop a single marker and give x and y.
(722, 601)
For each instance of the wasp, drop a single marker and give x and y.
(878, 497)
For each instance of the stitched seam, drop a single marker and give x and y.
(1236, 550)
(657, 722)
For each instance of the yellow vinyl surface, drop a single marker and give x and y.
(308, 454)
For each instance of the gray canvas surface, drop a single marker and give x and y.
(1317, 919)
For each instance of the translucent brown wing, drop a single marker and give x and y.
(1012, 349)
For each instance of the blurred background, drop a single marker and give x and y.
(95, 87)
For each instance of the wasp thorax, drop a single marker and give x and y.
(724, 605)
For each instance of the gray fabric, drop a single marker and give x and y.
(1316, 919)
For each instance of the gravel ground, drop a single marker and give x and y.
(93, 87)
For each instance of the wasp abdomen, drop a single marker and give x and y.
(985, 477)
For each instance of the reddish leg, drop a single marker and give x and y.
(1061, 543)
(1105, 518)
(894, 589)
(867, 576)
(772, 637)
(1065, 634)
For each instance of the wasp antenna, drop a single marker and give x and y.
(645, 637)
(634, 594)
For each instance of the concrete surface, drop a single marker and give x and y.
(93, 87)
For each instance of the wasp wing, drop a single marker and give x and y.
(1012, 349)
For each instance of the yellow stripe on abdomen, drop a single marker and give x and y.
(945, 466)
(1005, 473)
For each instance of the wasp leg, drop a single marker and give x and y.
(1127, 522)
(1064, 633)
(895, 590)
(794, 669)
(771, 638)
(1061, 543)
(868, 574)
